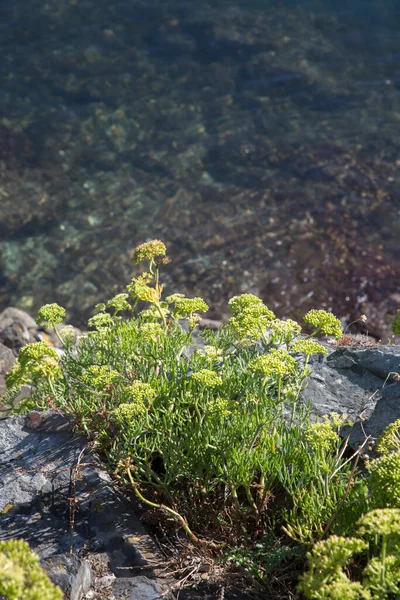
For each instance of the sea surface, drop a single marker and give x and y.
(259, 139)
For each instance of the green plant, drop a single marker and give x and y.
(21, 577)
(215, 435)
(396, 323)
(378, 548)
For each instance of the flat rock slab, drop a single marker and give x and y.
(58, 507)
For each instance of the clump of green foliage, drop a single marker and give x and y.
(21, 577)
(396, 323)
(332, 572)
(377, 545)
(213, 433)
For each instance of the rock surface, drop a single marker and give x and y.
(360, 382)
(69, 514)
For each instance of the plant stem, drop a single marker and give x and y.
(186, 527)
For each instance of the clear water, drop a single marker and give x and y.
(258, 139)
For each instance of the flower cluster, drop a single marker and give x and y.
(208, 378)
(68, 333)
(309, 347)
(321, 435)
(119, 303)
(50, 315)
(140, 289)
(326, 576)
(277, 362)
(129, 412)
(389, 440)
(100, 376)
(188, 308)
(324, 322)
(35, 362)
(285, 330)
(219, 408)
(212, 352)
(140, 391)
(381, 521)
(21, 575)
(251, 317)
(101, 321)
(149, 250)
(251, 303)
(385, 480)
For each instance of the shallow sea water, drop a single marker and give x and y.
(258, 139)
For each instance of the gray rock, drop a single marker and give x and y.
(17, 328)
(7, 361)
(68, 514)
(135, 588)
(356, 381)
(72, 574)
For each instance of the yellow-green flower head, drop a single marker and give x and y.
(287, 328)
(140, 290)
(321, 435)
(389, 441)
(208, 378)
(35, 362)
(251, 304)
(50, 315)
(140, 391)
(339, 587)
(119, 303)
(396, 323)
(381, 521)
(335, 551)
(129, 412)
(249, 324)
(21, 576)
(338, 420)
(277, 362)
(149, 332)
(101, 321)
(67, 333)
(212, 352)
(308, 347)
(100, 376)
(385, 480)
(149, 250)
(185, 307)
(325, 322)
(35, 352)
(219, 407)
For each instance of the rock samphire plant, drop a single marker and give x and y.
(333, 571)
(211, 432)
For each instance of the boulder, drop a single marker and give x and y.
(363, 383)
(17, 328)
